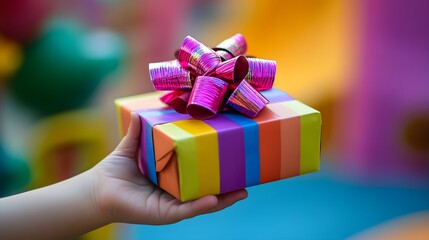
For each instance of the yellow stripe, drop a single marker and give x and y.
(185, 147)
(311, 123)
(119, 117)
(207, 155)
(139, 97)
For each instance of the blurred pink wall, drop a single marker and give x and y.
(384, 133)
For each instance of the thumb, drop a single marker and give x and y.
(129, 145)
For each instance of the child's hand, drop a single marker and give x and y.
(112, 191)
(124, 195)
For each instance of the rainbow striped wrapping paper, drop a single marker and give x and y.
(191, 158)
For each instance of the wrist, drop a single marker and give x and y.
(93, 190)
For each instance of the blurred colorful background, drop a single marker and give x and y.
(363, 64)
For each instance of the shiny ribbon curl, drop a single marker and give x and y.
(205, 80)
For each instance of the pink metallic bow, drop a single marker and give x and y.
(204, 80)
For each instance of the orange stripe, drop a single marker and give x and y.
(168, 177)
(269, 145)
(135, 103)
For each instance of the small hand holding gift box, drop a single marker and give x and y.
(215, 132)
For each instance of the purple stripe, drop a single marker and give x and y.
(232, 161)
(166, 118)
(143, 153)
(162, 116)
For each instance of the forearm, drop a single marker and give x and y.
(113, 190)
(58, 211)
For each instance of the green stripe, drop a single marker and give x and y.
(299, 107)
(185, 147)
(311, 123)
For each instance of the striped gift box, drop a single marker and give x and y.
(192, 158)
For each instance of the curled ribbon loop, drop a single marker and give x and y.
(246, 100)
(207, 97)
(169, 75)
(202, 79)
(198, 57)
(232, 70)
(261, 73)
(232, 47)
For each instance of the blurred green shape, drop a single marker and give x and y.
(63, 68)
(14, 174)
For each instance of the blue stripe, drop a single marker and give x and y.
(150, 155)
(276, 95)
(251, 147)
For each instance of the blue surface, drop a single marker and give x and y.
(313, 206)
